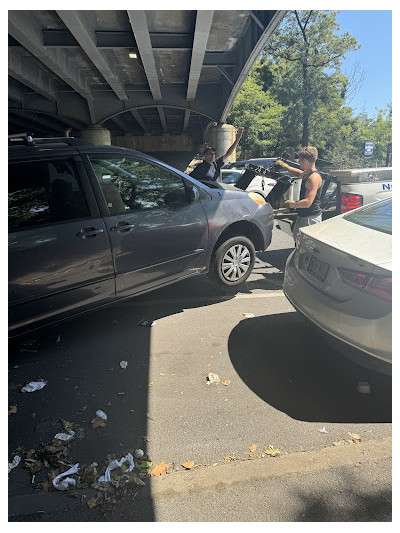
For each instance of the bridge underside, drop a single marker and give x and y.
(140, 73)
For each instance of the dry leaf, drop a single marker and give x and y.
(226, 382)
(160, 469)
(188, 464)
(98, 422)
(12, 410)
(67, 425)
(92, 502)
(253, 448)
(354, 437)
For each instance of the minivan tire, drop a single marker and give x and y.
(232, 262)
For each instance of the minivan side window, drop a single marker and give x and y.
(42, 192)
(129, 184)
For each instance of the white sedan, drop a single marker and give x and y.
(340, 278)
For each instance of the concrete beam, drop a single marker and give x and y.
(186, 120)
(140, 29)
(255, 52)
(162, 118)
(24, 28)
(28, 72)
(40, 120)
(84, 34)
(140, 121)
(201, 34)
(14, 90)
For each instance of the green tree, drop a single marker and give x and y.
(297, 58)
(260, 115)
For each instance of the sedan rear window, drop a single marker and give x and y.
(375, 216)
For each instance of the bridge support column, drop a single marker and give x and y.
(96, 134)
(221, 137)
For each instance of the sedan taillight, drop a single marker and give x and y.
(348, 202)
(380, 286)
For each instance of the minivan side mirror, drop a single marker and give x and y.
(194, 195)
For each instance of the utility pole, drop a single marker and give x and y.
(388, 152)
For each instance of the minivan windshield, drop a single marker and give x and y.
(376, 216)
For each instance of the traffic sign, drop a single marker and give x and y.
(369, 147)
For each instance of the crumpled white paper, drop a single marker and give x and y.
(101, 414)
(116, 464)
(65, 483)
(65, 436)
(34, 386)
(15, 462)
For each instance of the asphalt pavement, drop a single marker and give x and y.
(282, 393)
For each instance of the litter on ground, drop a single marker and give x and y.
(212, 378)
(146, 323)
(363, 387)
(63, 484)
(15, 462)
(34, 386)
(65, 436)
(117, 464)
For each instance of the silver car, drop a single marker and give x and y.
(340, 278)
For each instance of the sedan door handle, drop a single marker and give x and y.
(89, 233)
(122, 226)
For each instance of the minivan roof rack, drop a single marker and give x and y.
(27, 139)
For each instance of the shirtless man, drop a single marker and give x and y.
(308, 207)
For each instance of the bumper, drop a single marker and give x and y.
(264, 220)
(337, 318)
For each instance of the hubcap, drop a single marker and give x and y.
(235, 262)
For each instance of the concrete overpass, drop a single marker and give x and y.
(156, 81)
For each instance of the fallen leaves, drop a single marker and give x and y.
(353, 439)
(188, 465)
(12, 410)
(160, 469)
(253, 448)
(271, 451)
(97, 421)
(226, 382)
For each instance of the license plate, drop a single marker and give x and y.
(318, 269)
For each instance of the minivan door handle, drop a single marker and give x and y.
(89, 233)
(122, 226)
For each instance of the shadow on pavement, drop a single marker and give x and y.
(282, 360)
(80, 360)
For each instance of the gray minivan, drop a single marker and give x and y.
(89, 225)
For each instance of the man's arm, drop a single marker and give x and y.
(312, 185)
(294, 171)
(232, 148)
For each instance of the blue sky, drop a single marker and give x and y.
(373, 30)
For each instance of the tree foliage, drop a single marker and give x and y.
(296, 95)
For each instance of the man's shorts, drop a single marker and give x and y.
(301, 222)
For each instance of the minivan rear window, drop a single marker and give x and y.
(376, 216)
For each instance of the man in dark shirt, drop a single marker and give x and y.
(209, 169)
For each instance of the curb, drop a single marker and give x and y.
(222, 476)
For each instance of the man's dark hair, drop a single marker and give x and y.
(208, 149)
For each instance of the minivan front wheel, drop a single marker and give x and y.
(232, 262)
